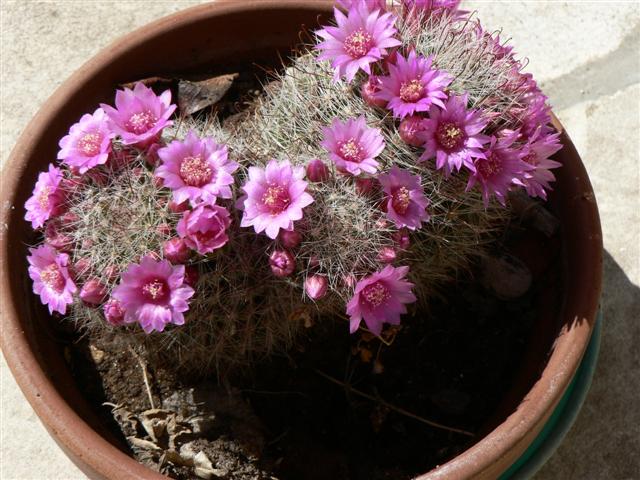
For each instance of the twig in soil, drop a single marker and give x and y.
(143, 366)
(390, 406)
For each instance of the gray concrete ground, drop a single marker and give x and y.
(587, 56)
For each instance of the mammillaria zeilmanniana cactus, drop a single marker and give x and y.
(371, 170)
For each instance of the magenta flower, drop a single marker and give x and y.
(361, 38)
(380, 298)
(413, 86)
(204, 229)
(113, 312)
(275, 197)
(452, 135)
(51, 279)
(536, 153)
(501, 168)
(406, 202)
(352, 145)
(47, 197)
(153, 293)
(140, 115)
(88, 143)
(196, 169)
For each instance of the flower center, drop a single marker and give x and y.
(490, 166)
(276, 199)
(450, 136)
(89, 144)
(358, 43)
(412, 91)
(43, 197)
(141, 122)
(195, 171)
(351, 150)
(155, 289)
(531, 159)
(375, 294)
(401, 200)
(52, 278)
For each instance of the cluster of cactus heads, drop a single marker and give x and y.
(371, 170)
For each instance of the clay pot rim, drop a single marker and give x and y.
(486, 458)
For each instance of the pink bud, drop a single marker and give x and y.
(314, 261)
(370, 90)
(409, 129)
(178, 207)
(191, 275)
(81, 267)
(69, 217)
(382, 223)
(401, 238)
(56, 239)
(317, 171)
(282, 263)
(163, 229)
(349, 281)
(364, 186)
(87, 243)
(111, 272)
(151, 154)
(316, 286)
(387, 255)
(290, 239)
(93, 292)
(175, 250)
(158, 181)
(113, 312)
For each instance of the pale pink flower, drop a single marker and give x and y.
(275, 197)
(360, 38)
(113, 312)
(501, 168)
(196, 169)
(406, 202)
(282, 263)
(51, 279)
(453, 135)
(315, 286)
(154, 294)
(204, 229)
(536, 153)
(380, 298)
(47, 197)
(140, 115)
(413, 85)
(93, 292)
(353, 146)
(88, 143)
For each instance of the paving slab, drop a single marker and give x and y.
(587, 56)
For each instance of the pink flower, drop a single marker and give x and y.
(406, 203)
(204, 229)
(352, 145)
(380, 298)
(453, 135)
(93, 292)
(175, 250)
(88, 143)
(413, 86)
(282, 263)
(409, 130)
(370, 92)
(47, 197)
(500, 169)
(51, 280)
(361, 38)
(316, 286)
(153, 293)
(317, 171)
(140, 115)
(275, 197)
(536, 153)
(196, 170)
(113, 312)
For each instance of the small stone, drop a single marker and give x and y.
(96, 354)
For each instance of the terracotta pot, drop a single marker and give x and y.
(255, 31)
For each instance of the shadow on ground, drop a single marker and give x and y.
(604, 443)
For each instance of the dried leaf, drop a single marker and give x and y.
(194, 96)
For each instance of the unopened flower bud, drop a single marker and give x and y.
(191, 275)
(387, 255)
(401, 238)
(81, 267)
(113, 312)
(163, 229)
(370, 92)
(316, 286)
(409, 129)
(56, 239)
(290, 239)
(93, 292)
(364, 186)
(282, 263)
(175, 250)
(317, 171)
(178, 207)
